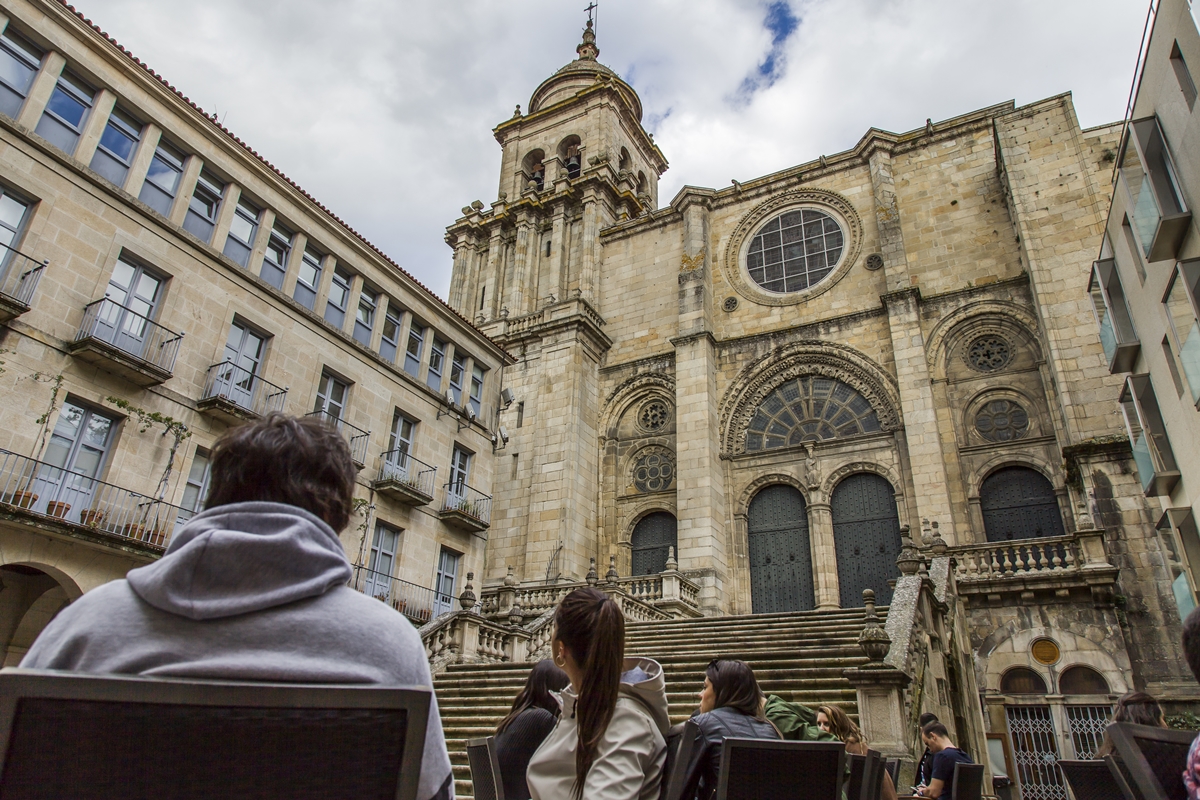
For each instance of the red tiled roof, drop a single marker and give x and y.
(212, 120)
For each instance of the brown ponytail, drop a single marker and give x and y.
(591, 626)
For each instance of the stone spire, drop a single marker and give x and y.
(587, 48)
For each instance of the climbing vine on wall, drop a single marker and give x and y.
(171, 427)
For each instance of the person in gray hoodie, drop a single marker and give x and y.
(254, 588)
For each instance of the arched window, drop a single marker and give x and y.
(810, 409)
(866, 537)
(652, 538)
(1022, 680)
(535, 169)
(1019, 503)
(568, 151)
(1082, 680)
(623, 160)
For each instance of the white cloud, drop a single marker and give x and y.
(383, 110)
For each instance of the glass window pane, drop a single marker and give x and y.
(67, 108)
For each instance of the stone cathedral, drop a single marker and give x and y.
(779, 385)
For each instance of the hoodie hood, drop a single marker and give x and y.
(243, 557)
(642, 680)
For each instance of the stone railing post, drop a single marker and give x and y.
(1091, 550)
(468, 623)
(670, 579)
(508, 593)
(880, 688)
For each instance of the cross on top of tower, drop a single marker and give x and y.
(591, 7)
(587, 49)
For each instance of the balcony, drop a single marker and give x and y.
(85, 504)
(1157, 210)
(234, 394)
(466, 508)
(356, 437)
(406, 479)
(121, 341)
(1047, 565)
(1152, 453)
(1117, 337)
(19, 277)
(413, 601)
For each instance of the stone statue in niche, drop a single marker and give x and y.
(812, 475)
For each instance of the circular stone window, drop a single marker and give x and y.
(989, 353)
(1002, 421)
(653, 415)
(795, 250)
(654, 471)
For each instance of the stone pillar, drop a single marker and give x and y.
(556, 283)
(41, 89)
(460, 279)
(881, 716)
(824, 556)
(151, 135)
(700, 486)
(518, 302)
(93, 126)
(589, 249)
(887, 218)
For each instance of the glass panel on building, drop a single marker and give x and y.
(202, 209)
(279, 247)
(339, 297)
(364, 318)
(19, 64)
(67, 110)
(114, 153)
(308, 279)
(162, 181)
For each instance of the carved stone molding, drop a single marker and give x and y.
(977, 319)
(822, 200)
(826, 359)
(770, 479)
(638, 389)
(875, 468)
(667, 458)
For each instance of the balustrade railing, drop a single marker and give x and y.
(240, 386)
(54, 492)
(132, 333)
(19, 275)
(355, 436)
(647, 588)
(1020, 557)
(399, 466)
(418, 603)
(466, 500)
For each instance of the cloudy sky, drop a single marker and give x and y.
(383, 109)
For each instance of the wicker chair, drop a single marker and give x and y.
(1153, 757)
(485, 769)
(752, 769)
(1098, 779)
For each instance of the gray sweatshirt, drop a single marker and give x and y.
(247, 591)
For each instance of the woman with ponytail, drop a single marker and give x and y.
(609, 741)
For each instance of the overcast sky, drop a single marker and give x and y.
(383, 109)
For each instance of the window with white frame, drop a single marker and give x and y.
(242, 229)
(381, 566)
(412, 349)
(279, 247)
(396, 459)
(447, 576)
(68, 108)
(364, 317)
(389, 344)
(457, 366)
(162, 181)
(195, 491)
(19, 65)
(203, 208)
(13, 213)
(1152, 453)
(114, 153)
(308, 279)
(331, 397)
(339, 298)
(460, 471)
(437, 361)
(476, 395)
(1182, 302)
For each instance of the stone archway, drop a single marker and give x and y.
(30, 596)
(866, 537)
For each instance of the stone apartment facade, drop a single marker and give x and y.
(784, 383)
(162, 282)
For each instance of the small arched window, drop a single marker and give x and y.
(569, 152)
(535, 168)
(623, 162)
(1022, 680)
(641, 184)
(1082, 680)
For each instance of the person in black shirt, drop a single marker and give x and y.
(534, 714)
(925, 765)
(945, 756)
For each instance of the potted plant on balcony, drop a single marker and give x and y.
(58, 509)
(21, 498)
(91, 518)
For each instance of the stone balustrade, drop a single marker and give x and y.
(1052, 563)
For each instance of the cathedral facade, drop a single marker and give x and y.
(776, 382)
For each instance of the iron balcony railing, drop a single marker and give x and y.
(399, 466)
(131, 333)
(418, 603)
(240, 386)
(54, 492)
(462, 498)
(19, 275)
(357, 437)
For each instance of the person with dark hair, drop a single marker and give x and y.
(254, 587)
(533, 715)
(1138, 708)
(945, 756)
(1191, 652)
(609, 741)
(730, 706)
(925, 765)
(832, 719)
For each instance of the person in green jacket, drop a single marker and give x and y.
(796, 722)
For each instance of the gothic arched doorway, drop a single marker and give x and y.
(781, 576)
(652, 538)
(1019, 503)
(866, 537)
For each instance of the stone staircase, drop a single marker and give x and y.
(798, 656)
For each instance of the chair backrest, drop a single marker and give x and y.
(873, 775)
(144, 737)
(1120, 777)
(676, 773)
(893, 768)
(854, 783)
(1154, 757)
(752, 769)
(1093, 780)
(968, 782)
(485, 769)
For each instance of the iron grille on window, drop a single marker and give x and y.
(1087, 725)
(1035, 750)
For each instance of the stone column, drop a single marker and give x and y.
(518, 303)
(41, 89)
(459, 279)
(151, 135)
(556, 283)
(589, 249)
(824, 555)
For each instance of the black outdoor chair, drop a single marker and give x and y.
(88, 737)
(1154, 758)
(968, 782)
(752, 769)
(485, 769)
(1097, 779)
(866, 776)
(679, 754)
(893, 769)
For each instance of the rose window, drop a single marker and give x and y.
(654, 472)
(1002, 421)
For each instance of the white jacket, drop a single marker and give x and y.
(630, 758)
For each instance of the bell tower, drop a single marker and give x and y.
(526, 271)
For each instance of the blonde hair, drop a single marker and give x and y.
(841, 726)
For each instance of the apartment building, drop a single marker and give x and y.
(1145, 285)
(160, 281)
